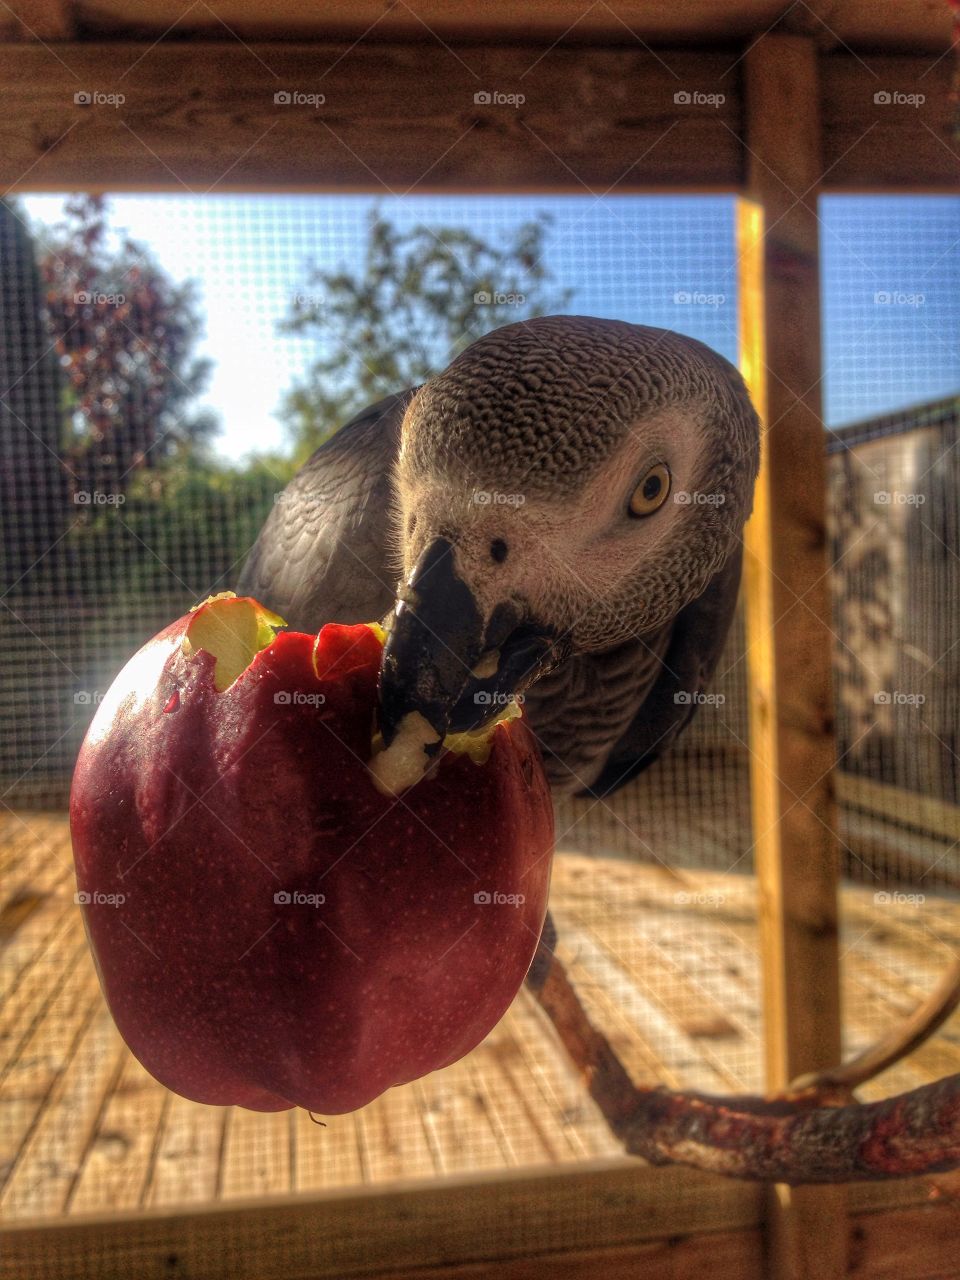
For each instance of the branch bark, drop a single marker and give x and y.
(793, 1138)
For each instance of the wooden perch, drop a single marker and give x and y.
(793, 1138)
(890, 1049)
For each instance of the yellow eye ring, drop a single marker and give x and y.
(652, 491)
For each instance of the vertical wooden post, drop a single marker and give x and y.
(788, 617)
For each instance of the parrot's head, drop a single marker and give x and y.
(563, 484)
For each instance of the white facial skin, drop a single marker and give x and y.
(582, 562)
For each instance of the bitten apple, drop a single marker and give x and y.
(272, 930)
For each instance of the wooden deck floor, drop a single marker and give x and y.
(666, 960)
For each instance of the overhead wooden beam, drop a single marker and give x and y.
(404, 117)
(393, 118)
(913, 25)
(789, 638)
(39, 20)
(887, 124)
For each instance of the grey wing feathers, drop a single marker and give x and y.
(696, 642)
(322, 554)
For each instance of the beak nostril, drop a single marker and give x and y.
(498, 549)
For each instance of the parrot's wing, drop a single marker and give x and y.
(696, 641)
(323, 553)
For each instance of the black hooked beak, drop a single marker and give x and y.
(437, 643)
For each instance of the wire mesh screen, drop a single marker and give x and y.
(168, 363)
(892, 371)
(891, 273)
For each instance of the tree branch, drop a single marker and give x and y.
(793, 1138)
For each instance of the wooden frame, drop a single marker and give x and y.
(788, 613)
(641, 1221)
(402, 117)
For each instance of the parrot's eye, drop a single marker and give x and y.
(651, 493)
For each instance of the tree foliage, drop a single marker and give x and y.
(125, 334)
(415, 301)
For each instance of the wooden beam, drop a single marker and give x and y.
(394, 118)
(895, 805)
(788, 619)
(439, 1226)
(402, 117)
(869, 143)
(39, 20)
(858, 24)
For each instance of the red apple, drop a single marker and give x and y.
(270, 929)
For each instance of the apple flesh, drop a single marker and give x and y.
(270, 929)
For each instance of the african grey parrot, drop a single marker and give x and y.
(558, 513)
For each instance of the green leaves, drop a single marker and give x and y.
(418, 298)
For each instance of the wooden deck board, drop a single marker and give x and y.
(665, 959)
(118, 1162)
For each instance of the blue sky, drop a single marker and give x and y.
(891, 273)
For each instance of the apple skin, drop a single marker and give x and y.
(191, 809)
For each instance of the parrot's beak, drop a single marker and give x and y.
(445, 660)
